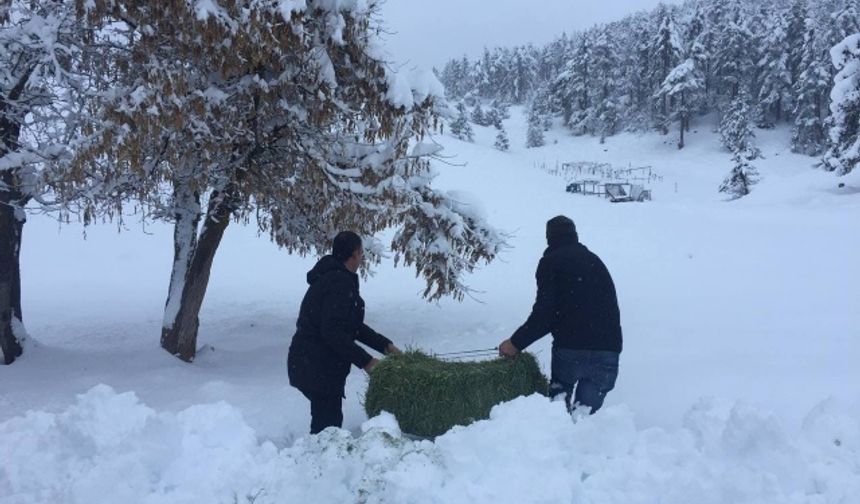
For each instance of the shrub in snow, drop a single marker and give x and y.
(502, 143)
(743, 175)
(428, 396)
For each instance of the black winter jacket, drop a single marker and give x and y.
(575, 301)
(330, 320)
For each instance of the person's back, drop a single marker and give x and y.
(588, 316)
(576, 302)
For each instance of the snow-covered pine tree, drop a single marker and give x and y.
(461, 127)
(502, 143)
(576, 79)
(843, 22)
(666, 51)
(213, 104)
(496, 114)
(456, 125)
(698, 39)
(484, 72)
(604, 85)
(635, 64)
(478, 116)
(733, 61)
(534, 133)
(541, 105)
(775, 85)
(739, 181)
(523, 74)
(844, 152)
(735, 130)
(811, 94)
(737, 45)
(681, 88)
(796, 26)
(43, 91)
(501, 109)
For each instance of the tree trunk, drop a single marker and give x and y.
(684, 121)
(12, 219)
(192, 264)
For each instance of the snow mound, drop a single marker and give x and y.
(109, 447)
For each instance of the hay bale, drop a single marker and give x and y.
(429, 396)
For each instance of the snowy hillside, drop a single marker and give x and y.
(737, 381)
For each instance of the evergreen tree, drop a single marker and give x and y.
(501, 109)
(739, 181)
(636, 89)
(478, 116)
(523, 79)
(811, 92)
(614, 76)
(794, 42)
(461, 127)
(681, 87)
(666, 52)
(484, 75)
(496, 114)
(735, 130)
(843, 22)
(604, 84)
(733, 64)
(534, 134)
(541, 105)
(502, 143)
(775, 84)
(577, 89)
(844, 152)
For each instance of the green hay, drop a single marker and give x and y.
(428, 396)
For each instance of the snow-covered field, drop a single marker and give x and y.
(738, 383)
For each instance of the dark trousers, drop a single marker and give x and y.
(325, 411)
(592, 372)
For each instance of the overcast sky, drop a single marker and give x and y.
(429, 32)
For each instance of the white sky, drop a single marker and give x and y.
(425, 33)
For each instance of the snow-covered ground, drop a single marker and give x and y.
(738, 383)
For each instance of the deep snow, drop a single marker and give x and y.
(738, 380)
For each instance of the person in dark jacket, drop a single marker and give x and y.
(576, 302)
(331, 320)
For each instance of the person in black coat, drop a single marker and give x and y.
(576, 302)
(331, 320)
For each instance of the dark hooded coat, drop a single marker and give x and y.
(331, 320)
(576, 299)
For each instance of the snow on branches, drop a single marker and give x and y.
(288, 116)
(844, 153)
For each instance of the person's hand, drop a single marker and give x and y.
(370, 365)
(391, 349)
(507, 349)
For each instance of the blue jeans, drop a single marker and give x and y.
(592, 372)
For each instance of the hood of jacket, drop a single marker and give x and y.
(325, 265)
